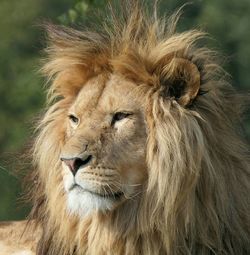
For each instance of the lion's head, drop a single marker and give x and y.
(138, 151)
(103, 154)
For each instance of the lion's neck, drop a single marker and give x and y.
(118, 235)
(120, 232)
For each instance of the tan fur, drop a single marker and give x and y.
(18, 238)
(194, 180)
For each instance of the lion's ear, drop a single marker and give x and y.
(180, 79)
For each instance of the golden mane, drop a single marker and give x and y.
(196, 200)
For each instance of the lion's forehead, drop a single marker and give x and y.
(106, 95)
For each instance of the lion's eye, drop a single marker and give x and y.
(119, 116)
(73, 119)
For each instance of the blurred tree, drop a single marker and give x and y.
(228, 22)
(82, 12)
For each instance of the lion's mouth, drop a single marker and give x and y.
(112, 195)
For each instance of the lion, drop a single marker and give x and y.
(139, 151)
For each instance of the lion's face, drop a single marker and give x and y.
(103, 156)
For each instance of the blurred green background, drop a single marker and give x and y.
(22, 95)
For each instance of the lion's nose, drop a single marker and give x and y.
(74, 164)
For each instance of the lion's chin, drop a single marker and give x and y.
(83, 202)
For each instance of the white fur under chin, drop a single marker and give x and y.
(82, 202)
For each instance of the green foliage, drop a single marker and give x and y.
(21, 89)
(81, 10)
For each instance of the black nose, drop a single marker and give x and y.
(75, 163)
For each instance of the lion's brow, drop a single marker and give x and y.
(94, 100)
